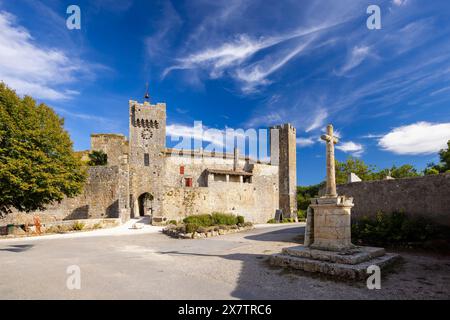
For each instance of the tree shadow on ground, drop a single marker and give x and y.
(17, 248)
(259, 280)
(294, 234)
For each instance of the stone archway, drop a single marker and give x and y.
(145, 205)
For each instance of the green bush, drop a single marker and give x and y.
(172, 222)
(272, 220)
(301, 215)
(98, 225)
(392, 229)
(223, 218)
(77, 226)
(203, 220)
(191, 227)
(240, 220)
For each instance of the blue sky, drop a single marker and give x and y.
(244, 64)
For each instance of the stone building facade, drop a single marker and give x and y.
(145, 178)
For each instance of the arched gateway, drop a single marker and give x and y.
(145, 205)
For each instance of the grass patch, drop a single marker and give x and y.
(284, 220)
(78, 226)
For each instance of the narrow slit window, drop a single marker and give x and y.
(146, 159)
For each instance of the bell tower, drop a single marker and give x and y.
(147, 143)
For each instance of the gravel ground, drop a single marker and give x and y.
(235, 266)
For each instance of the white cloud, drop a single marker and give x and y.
(305, 142)
(400, 2)
(234, 57)
(417, 138)
(256, 74)
(358, 55)
(226, 55)
(196, 132)
(250, 142)
(319, 120)
(372, 136)
(29, 68)
(440, 91)
(355, 149)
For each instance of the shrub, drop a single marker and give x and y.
(392, 229)
(191, 227)
(172, 222)
(272, 220)
(204, 220)
(97, 226)
(301, 215)
(77, 226)
(223, 218)
(240, 220)
(98, 158)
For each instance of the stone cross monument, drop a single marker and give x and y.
(328, 247)
(331, 218)
(331, 175)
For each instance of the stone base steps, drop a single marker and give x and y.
(353, 266)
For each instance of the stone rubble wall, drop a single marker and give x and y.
(99, 199)
(427, 196)
(256, 201)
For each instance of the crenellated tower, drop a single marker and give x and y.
(147, 142)
(283, 153)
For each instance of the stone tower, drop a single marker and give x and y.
(146, 158)
(283, 152)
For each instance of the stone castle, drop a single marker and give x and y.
(145, 178)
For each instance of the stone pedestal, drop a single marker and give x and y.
(328, 236)
(346, 264)
(332, 225)
(327, 248)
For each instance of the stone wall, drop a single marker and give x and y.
(427, 196)
(114, 145)
(257, 201)
(101, 198)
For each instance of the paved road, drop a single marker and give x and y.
(153, 266)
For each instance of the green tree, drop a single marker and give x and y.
(404, 171)
(357, 166)
(444, 155)
(443, 165)
(98, 158)
(37, 162)
(304, 195)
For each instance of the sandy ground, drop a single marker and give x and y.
(122, 263)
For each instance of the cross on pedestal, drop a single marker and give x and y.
(331, 175)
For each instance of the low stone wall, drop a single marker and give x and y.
(99, 199)
(14, 230)
(427, 196)
(172, 232)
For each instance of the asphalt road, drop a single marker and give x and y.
(154, 266)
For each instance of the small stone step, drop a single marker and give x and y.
(350, 256)
(347, 271)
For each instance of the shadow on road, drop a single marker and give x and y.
(257, 279)
(17, 248)
(294, 234)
